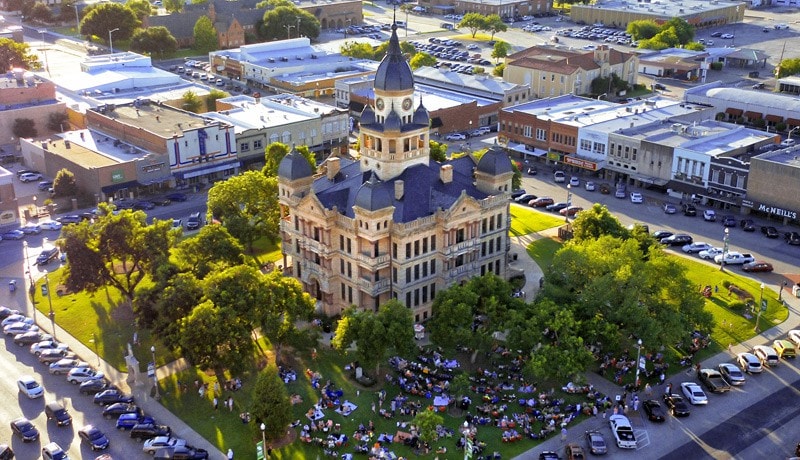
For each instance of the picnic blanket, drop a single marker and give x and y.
(441, 401)
(316, 414)
(347, 408)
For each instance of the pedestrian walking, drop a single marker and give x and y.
(730, 348)
(373, 406)
(594, 411)
(563, 433)
(135, 338)
(648, 390)
(230, 454)
(605, 412)
(216, 403)
(661, 378)
(230, 403)
(635, 404)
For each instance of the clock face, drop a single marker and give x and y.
(407, 103)
(379, 104)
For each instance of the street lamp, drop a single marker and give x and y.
(31, 286)
(46, 292)
(77, 20)
(348, 22)
(94, 341)
(263, 440)
(789, 135)
(638, 357)
(297, 28)
(110, 43)
(569, 202)
(406, 27)
(44, 51)
(780, 292)
(760, 307)
(467, 454)
(289, 28)
(155, 373)
(602, 95)
(736, 19)
(725, 240)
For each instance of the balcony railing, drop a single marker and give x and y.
(371, 261)
(373, 288)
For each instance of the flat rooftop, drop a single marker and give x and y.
(669, 8)
(470, 83)
(560, 107)
(789, 156)
(723, 143)
(161, 120)
(635, 113)
(434, 98)
(279, 110)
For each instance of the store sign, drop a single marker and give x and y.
(117, 176)
(773, 210)
(151, 168)
(585, 164)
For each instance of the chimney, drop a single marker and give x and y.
(333, 167)
(399, 189)
(446, 174)
(66, 144)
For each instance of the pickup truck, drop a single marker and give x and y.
(735, 258)
(713, 380)
(623, 432)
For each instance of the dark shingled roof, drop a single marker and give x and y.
(394, 73)
(495, 162)
(424, 192)
(294, 166)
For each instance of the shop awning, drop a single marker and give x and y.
(120, 186)
(650, 180)
(793, 122)
(206, 170)
(753, 115)
(734, 112)
(526, 150)
(774, 118)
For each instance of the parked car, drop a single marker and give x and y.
(5, 312)
(676, 405)
(557, 207)
(13, 235)
(82, 374)
(749, 363)
(16, 318)
(50, 344)
(729, 221)
(574, 181)
(91, 387)
(30, 387)
(55, 411)
(525, 198)
(45, 185)
(784, 348)
(117, 409)
(748, 225)
(713, 380)
(589, 186)
(142, 431)
(66, 365)
(181, 452)
(30, 337)
(47, 255)
(518, 193)
(559, 176)
(677, 240)
(661, 234)
(654, 411)
(689, 210)
(570, 211)
(766, 355)
(52, 451)
(24, 429)
(176, 197)
(696, 247)
(6, 452)
(709, 254)
(19, 328)
(70, 219)
(605, 189)
(757, 266)
(52, 225)
(732, 374)
(596, 443)
(670, 208)
(153, 444)
(455, 137)
(794, 336)
(770, 231)
(541, 202)
(31, 229)
(30, 177)
(623, 431)
(93, 437)
(637, 198)
(734, 258)
(194, 221)
(129, 420)
(112, 396)
(709, 215)
(694, 394)
(792, 238)
(51, 356)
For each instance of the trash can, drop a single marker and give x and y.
(12, 285)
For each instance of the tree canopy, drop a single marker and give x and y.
(154, 41)
(64, 183)
(288, 21)
(13, 54)
(275, 153)
(474, 22)
(422, 59)
(500, 50)
(673, 33)
(494, 23)
(788, 67)
(205, 35)
(270, 403)
(109, 16)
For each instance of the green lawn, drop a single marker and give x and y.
(526, 220)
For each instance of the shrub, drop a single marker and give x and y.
(716, 66)
(780, 126)
(726, 284)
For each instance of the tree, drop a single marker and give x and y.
(141, 8)
(474, 22)
(162, 306)
(683, 30)
(357, 50)
(272, 4)
(426, 422)
(451, 322)
(154, 40)
(41, 13)
(247, 205)
(498, 69)
(595, 222)
(212, 249)
(479, 70)
(191, 103)
(270, 404)
(217, 339)
(13, 54)
(493, 24)
(788, 67)
(406, 48)
(108, 16)
(286, 305)
(422, 59)
(173, 6)
(500, 50)
(238, 289)
(275, 153)
(643, 29)
(280, 21)
(695, 46)
(438, 151)
(398, 323)
(516, 179)
(117, 250)
(205, 35)
(64, 184)
(367, 331)
(58, 122)
(213, 96)
(24, 128)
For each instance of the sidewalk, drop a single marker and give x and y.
(140, 389)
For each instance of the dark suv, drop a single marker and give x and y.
(194, 221)
(143, 431)
(689, 210)
(47, 254)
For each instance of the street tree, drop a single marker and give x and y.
(595, 222)
(154, 41)
(498, 69)
(451, 321)
(474, 22)
(213, 96)
(205, 35)
(13, 54)
(58, 122)
(494, 24)
(141, 8)
(286, 304)
(270, 404)
(173, 6)
(65, 184)
(422, 59)
(24, 128)
(365, 329)
(247, 205)
(683, 30)
(500, 50)
(117, 250)
(161, 306)
(788, 67)
(216, 339)
(41, 13)
(398, 322)
(276, 151)
(357, 50)
(212, 249)
(427, 421)
(288, 21)
(438, 151)
(109, 16)
(190, 102)
(643, 29)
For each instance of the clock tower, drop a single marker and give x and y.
(394, 134)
